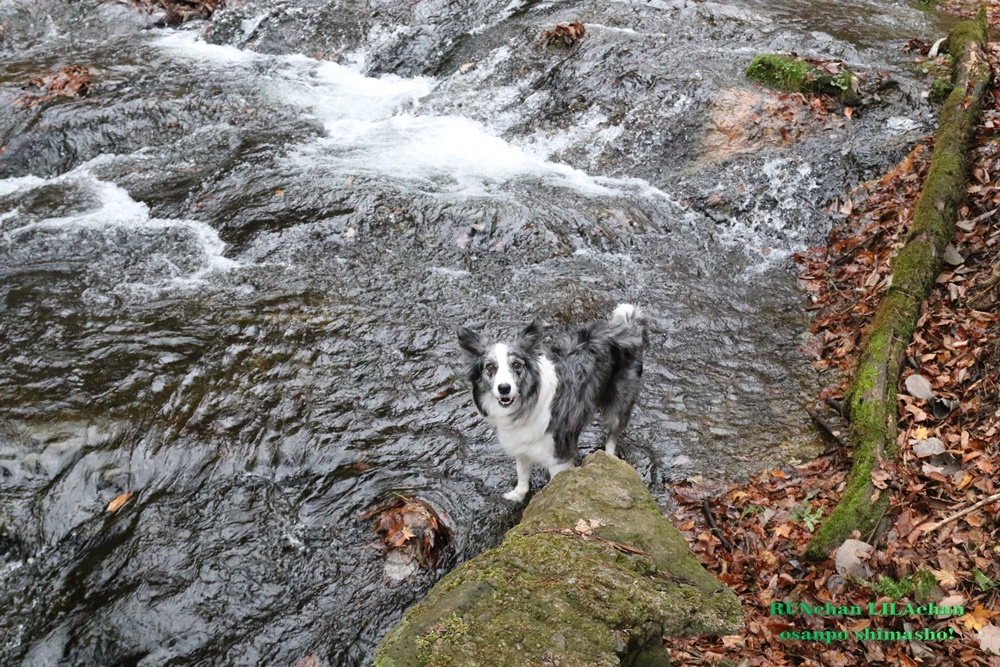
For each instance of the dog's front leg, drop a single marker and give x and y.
(518, 493)
(559, 467)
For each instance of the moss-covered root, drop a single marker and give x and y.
(800, 76)
(593, 575)
(871, 394)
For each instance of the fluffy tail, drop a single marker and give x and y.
(626, 313)
(632, 317)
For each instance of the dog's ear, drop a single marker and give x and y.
(532, 335)
(471, 342)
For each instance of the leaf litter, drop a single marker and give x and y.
(412, 528)
(71, 81)
(948, 439)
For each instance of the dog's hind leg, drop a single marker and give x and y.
(612, 424)
(518, 493)
(614, 419)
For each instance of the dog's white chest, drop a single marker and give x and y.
(528, 439)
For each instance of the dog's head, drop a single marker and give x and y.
(504, 374)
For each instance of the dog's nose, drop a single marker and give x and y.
(504, 389)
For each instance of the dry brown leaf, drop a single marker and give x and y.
(119, 502)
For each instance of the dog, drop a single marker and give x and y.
(539, 400)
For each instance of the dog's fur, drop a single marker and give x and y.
(540, 400)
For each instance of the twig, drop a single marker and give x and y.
(835, 404)
(878, 523)
(726, 544)
(624, 548)
(968, 510)
(853, 251)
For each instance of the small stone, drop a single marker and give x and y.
(918, 386)
(558, 643)
(952, 256)
(836, 584)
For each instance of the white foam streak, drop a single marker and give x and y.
(334, 93)
(439, 153)
(115, 211)
(187, 45)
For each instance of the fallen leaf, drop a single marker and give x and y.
(70, 81)
(952, 256)
(946, 578)
(850, 559)
(565, 35)
(975, 619)
(118, 502)
(989, 638)
(929, 447)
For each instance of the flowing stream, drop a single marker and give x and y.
(230, 277)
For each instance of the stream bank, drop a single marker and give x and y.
(232, 270)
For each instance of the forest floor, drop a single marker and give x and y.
(752, 535)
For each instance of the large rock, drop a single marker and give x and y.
(593, 575)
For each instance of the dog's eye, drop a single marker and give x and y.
(490, 368)
(517, 366)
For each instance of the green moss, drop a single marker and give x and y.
(779, 71)
(572, 596)
(967, 32)
(797, 75)
(452, 630)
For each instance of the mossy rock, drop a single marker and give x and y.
(801, 76)
(555, 594)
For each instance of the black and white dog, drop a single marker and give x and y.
(540, 400)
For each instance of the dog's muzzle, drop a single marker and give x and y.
(504, 398)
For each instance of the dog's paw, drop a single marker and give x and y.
(515, 495)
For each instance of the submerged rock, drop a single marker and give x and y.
(794, 74)
(593, 575)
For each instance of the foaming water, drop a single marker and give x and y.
(374, 127)
(151, 252)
